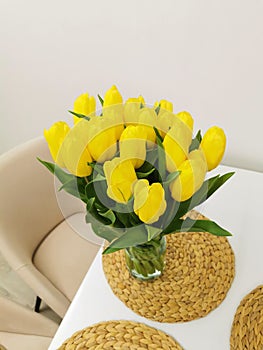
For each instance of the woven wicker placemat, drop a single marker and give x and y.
(199, 271)
(247, 328)
(120, 335)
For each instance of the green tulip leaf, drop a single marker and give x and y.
(72, 184)
(207, 189)
(82, 116)
(196, 141)
(101, 100)
(157, 109)
(90, 203)
(147, 166)
(134, 219)
(92, 215)
(148, 170)
(124, 213)
(141, 175)
(56, 170)
(158, 135)
(67, 184)
(107, 232)
(124, 207)
(133, 236)
(111, 250)
(124, 218)
(152, 231)
(97, 168)
(109, 214)
(189, 225)
(219, 182)
(90, 189)
(72, 187)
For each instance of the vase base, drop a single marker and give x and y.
(150, 276)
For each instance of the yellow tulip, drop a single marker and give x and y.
(131, 110)
(133, 144)
(165, 105)
(138, 99)
(213, 145)
(113, 109)
(84, 104)
(74, 150)
(120, 177)
(148, 118)
(114, 116)
(186, 118)
(165, 122)
(102, 139)
(55, 137)
(198, 155)
(112, 97)
(149, 201)
(176, 144)
(191, 178)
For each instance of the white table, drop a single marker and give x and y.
(237, 206)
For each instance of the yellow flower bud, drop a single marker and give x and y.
(148, 118)
(74, 150)
(112, 97)
(55, 137)
(199, 155)
(191, 178)
(84, 104)
(133, 144)
(113, 109)
(131, 110)
(176, 144)
(165, 122)
(213, 145)
(102, 139)
(114, 116)
(186, 118)
(165, 105)
(138, 99)
(120, 177)
(149, 201)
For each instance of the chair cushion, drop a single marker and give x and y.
(13, 341)
(64, 256)
(15, 318)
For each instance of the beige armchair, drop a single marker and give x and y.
(36, 240)
(23, 329)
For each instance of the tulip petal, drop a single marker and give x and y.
(55, 137)
(149, 201)
(120, 177)
(213, 145)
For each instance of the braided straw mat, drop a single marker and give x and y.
(199, 271)
(247, 328)
(120, 335)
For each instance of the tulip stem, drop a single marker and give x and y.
(146, 261)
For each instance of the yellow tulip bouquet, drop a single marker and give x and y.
(139, 170)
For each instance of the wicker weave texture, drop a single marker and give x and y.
(199, 271)
(120, 335)
(247, 328)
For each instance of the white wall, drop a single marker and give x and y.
(204, 55)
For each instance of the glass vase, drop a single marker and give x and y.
(146, 261)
